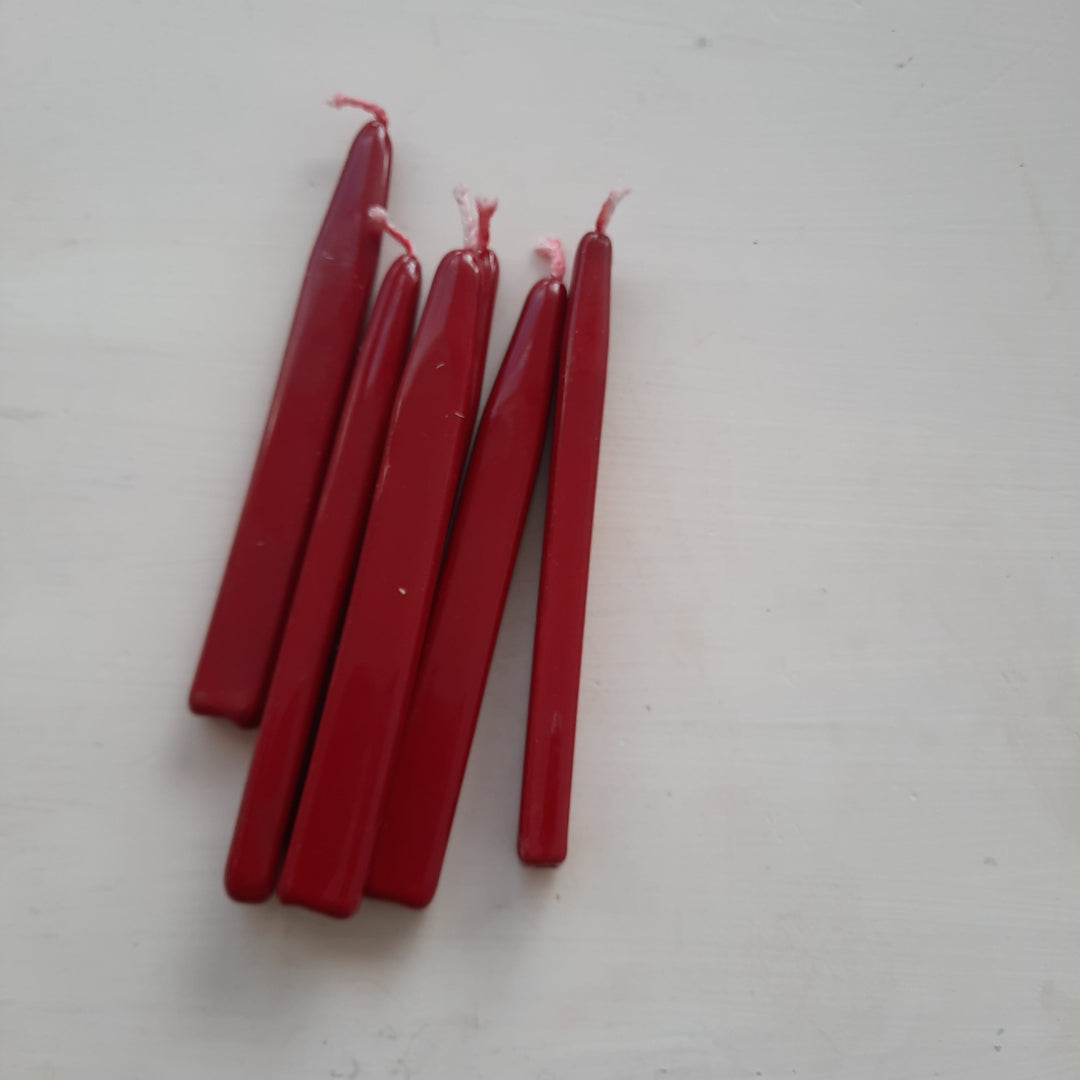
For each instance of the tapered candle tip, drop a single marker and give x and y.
(550, 247)
(343, 101)
(613, 200)
(379, 216)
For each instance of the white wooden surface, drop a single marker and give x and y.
(827, 813)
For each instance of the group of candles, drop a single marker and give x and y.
(357, 616)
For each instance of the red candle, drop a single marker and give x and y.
(253, 601)
(330, 849)
(564, 568)
(322, 590)
(419, 806)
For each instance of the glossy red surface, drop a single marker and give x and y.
(564, 570)
(419, 806)
(288, 717)
(330, 849)
(253, 601)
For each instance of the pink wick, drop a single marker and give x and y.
(484, 210)
(378, 215)
(551, 248)
(470, 220)
(613, 200)
(342, 101)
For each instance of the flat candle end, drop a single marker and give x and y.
(295, 891)
(247, 886)
(225, 705)
(540, 853)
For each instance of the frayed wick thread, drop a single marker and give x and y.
(378, 215)
(485, 208)
(475, 218)
(613, 200)
(550, 247)
(343, 101)
(470, 223)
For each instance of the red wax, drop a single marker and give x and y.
(241, 643)
(321, 592)
(419, 806)
(564, 569)
(330, 849)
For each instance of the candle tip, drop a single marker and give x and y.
(379, 216)
(613, 200)
(343, 101)
(550, 247)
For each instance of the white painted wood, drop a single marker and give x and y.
(827, 812)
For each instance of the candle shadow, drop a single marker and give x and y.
(272, 961)
(481, 861)
(265, 959)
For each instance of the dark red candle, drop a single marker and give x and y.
(322, 590)
(419, 806)
(330, 848)
(253, 601)
(564, 568)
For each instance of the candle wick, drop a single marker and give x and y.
(379, 216)
(613, 200)
(343, 101)
(550, 247)
(485, 208)
(475, 218)
(470, 221)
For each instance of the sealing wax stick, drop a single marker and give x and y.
(426, 781)
(329, 851)
(238, 654)
(288, 719)
(564, 567)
